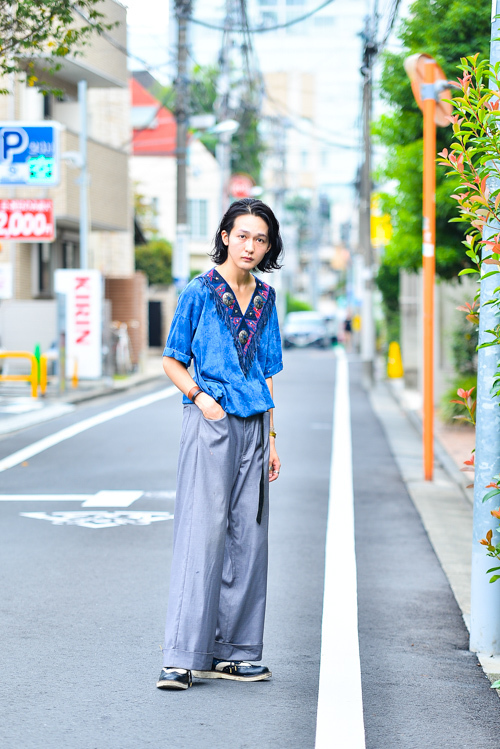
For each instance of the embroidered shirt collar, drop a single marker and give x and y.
(245, 328)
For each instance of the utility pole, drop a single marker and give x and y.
(367, 324)
(181, 250)
(224, 109)
(485, 598)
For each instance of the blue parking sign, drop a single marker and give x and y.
(29, 153)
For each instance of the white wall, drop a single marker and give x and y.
(155, 177)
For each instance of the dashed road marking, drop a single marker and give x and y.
(105, 498)
(340, 701)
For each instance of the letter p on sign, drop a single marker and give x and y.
(13, 140)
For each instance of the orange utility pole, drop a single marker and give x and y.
(429, 260)
(429, 87)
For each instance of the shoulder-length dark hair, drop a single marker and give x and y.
(254, 207)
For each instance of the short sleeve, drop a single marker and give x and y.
(274, 362)
(186, 319)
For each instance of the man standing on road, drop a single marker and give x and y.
(226, 322)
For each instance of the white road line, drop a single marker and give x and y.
(340, 701)
(54, 439)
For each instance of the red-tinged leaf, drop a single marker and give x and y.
(468, 393)
(444, 153)
(470, 486)
(483, 184)
(473, 318)
(491, 260)
(464, 307)
(460, 403)
(462, 393)
(496, 514)
(491, 486)
(489, 535)
(497, 201)
(484, 542)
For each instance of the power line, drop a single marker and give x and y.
(121, 47)
(390, 25)
(294, 126)
(262, 29)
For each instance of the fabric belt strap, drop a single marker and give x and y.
(263, 474)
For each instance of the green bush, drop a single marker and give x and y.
(155, 260)
(296, 305)
(449, 410)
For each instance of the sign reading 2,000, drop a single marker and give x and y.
(27, 220)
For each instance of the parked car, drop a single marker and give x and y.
(305, 329)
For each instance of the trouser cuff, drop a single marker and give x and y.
(185, 659)
(227, 651)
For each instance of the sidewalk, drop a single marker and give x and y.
(19, 411)
(444, 504)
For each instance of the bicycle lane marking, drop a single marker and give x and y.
(340, 700)
(81, 426)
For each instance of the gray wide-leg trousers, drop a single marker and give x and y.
(217, 597)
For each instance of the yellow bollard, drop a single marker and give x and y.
(394, 362)
(34, 377)
(43, 374)
(74, 379)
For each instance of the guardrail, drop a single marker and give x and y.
(35, 377)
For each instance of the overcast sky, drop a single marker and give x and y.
(148, 35)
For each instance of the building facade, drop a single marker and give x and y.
(109, 197)
(154, 174)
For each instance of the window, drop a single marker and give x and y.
(197, 218)
(269, 19)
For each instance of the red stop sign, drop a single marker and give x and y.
(240, 186)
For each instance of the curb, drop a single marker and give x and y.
(62, 406)
(440, 453)
(490, 665)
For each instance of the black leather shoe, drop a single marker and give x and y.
(235, 670)
(174, 678)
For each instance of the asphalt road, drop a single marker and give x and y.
(83, 596)
(83, 608)
(422, 687)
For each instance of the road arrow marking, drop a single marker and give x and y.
(100, 518)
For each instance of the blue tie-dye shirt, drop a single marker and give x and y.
(232, 353)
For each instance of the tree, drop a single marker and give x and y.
(155, 260)
(447, 30)
(247, 146)
(34, 36)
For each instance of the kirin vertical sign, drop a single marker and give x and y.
(83, 290)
